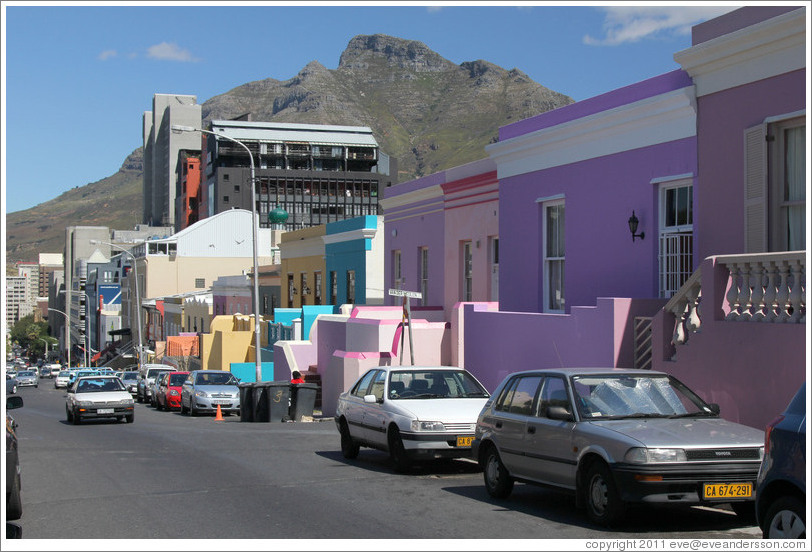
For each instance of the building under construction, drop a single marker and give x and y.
(317, 173)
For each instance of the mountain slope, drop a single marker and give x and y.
(423, 109)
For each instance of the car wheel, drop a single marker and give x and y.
(785, 519)
(14, 505)
(192, 410)
(397, 452)
(182, 408)
(119, 419)
(139, 397)
(68, 414)
(349, 448)
(498, 482)
(130, 418)
(76, 418)
(603, 504)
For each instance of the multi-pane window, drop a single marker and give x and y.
(291, 290)
(397, 269)
(466, 291)
(303, 289)
(790, 187)
(423, 273)
(333, 287)
(351, 287)
(317, 289)
(554, 256)
(676, 236)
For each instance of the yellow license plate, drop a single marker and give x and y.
(465, 441)
(727, 490)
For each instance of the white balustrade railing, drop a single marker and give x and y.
(762, 288)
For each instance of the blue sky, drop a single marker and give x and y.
(77, 78)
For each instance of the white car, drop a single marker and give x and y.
(414, 413)
(92, 397)
(61, 379)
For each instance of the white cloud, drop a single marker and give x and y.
(170, 52)
(634, 23)
(107, 54)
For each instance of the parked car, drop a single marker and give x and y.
(14, 504)
(148, 373)
(205, 390)
(62, 379)
(78, 373)
(130, 381)
(615, 437)
(413, 413)
(781, 490)
(98, 397)
(27, 378)
(170, 385)
(11, 383)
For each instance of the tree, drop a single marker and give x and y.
(28, 334)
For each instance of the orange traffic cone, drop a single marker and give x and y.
(219, 416)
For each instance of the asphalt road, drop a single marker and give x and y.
(168, 476)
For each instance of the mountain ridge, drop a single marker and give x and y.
(426, 111)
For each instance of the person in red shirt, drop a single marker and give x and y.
(297, 377)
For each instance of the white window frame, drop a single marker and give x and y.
(551, 263)
(423, 273)
(675, 241)
(467, 271)
(778, 239)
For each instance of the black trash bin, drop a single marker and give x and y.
(278, 401)
(302, 400)
(246, 401)
(260, 401)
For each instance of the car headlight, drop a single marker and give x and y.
(84, 404)
(418, 425)
(202, 394)
(642, 455)
(174, 393)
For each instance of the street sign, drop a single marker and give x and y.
(404, 293)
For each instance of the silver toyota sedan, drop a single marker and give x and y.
(615, 437)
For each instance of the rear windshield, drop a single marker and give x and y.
(153, 372)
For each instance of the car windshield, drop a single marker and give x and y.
(215, 379)
(26, 373)
(631, 396)
(177, 379)
(99, 385)
(155, 372)
(126, 376)
(434, 384)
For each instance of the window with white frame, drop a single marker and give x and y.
(467, 269)
(775, 185)
(397, 269)
(423, 274)
(676, 235)
(553, 240)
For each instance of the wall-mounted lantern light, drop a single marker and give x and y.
(633, 222)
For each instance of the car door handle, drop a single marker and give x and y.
(531, 429)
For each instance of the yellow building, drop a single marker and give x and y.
(303, 267)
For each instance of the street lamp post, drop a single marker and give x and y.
(67, 330)
(137, 295)
(254, 233)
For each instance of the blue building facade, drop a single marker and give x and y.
(353, 260)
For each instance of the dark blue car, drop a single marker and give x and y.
(781, 492)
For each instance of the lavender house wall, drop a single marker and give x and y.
(601, 158)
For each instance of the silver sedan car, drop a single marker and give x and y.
(205, 390)
(615, 437)
(27, 378)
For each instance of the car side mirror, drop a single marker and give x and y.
(559, 413)
(715, 408)
(14, 401)
(372, 399)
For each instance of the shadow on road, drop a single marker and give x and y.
(379, 462)
(559, 507)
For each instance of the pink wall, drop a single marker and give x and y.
(500, 343)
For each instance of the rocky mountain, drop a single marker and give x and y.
(424, 110)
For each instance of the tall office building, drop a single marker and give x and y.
(161, 149)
